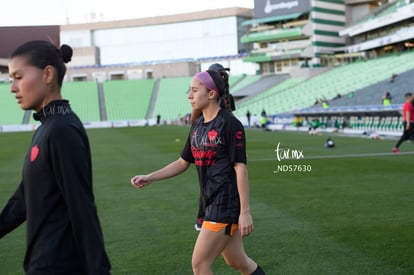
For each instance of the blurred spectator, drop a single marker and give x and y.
(248, 115)
(298, 121)
(158, 119)
(325, 103)
(408, 122)
(386, 99)
(313, 128)
(254, 121)
(338, 96)
(263, 122)
(393, 77)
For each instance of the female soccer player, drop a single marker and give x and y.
(216, 145)
(55, 196)
(227, 103)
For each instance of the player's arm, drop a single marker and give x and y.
(14, 213)
(173, 169)
(245, 218)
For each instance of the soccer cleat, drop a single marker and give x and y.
(395, 150)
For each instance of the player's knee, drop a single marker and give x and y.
(198, 266)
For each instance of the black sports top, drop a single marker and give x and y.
(214, 147)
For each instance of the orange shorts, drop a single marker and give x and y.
(218, 226)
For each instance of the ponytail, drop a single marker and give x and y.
(227, 97)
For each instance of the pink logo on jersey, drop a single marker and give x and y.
(212, 135)
(239, 135)
(34, 153)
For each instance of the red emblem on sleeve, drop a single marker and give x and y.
(239, 134)
(34, 153)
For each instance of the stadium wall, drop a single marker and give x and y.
(162, 38)
(328, 18)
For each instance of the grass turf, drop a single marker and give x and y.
(350, 214)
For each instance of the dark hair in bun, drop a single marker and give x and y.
(66, 52)
(42, 53)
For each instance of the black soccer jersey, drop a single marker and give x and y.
(214, 147)
(55, 198)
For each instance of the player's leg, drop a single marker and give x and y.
(404, 137)
(208, 247)
(236, 257)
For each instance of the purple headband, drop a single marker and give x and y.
(207, 81)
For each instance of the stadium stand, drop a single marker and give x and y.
(171, 102)
(248, 80)
(371, 94)
(10, 112)
(83, 98)
(340, 80)
(260, 85)
(234, 80)
(265, 99)
(127, 99)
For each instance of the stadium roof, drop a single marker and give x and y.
(271, 19)
(159, 20)
(387, 14)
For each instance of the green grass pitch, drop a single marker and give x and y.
(347, 210)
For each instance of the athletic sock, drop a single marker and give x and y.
(258, 271)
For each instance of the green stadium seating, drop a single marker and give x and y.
(267, 99)
(83, 98)
(243, 83)
(127, 99)
(340, 80)
(137, 99)
(10, 111)
(172, 101)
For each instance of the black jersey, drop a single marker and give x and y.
(56, 199)
(214, 147)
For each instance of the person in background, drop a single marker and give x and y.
(263, 121)
(55, 196)
(263, 113)
(248, 115)
(408, 122)
(216, 146)
(158, 119)
(393, 77)
(386, 99)
(325, 103)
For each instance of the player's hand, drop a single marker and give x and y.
(245, 224)
(140, 181)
